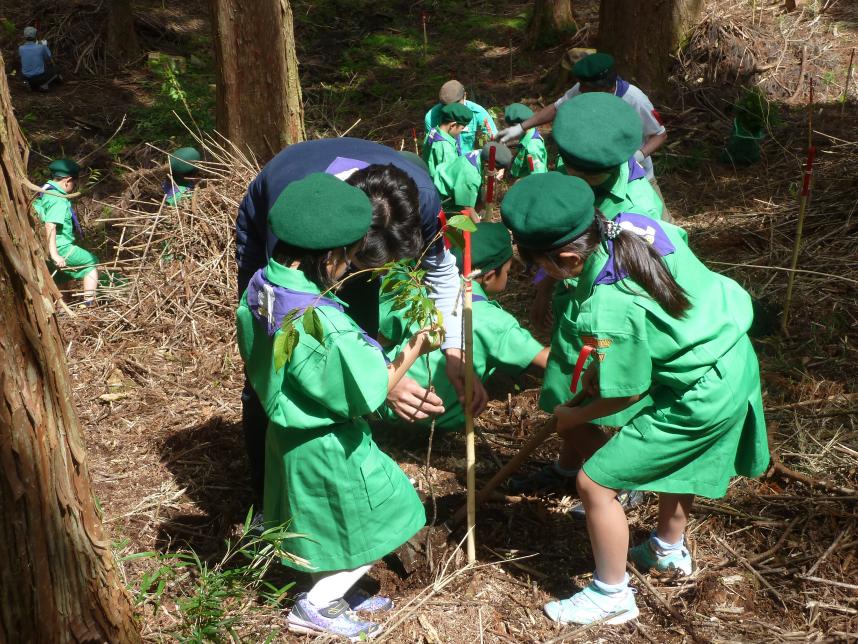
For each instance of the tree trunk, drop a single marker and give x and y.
(643, 37)
(122, 46)
(550, 22)
(259, 103)
(58, 579)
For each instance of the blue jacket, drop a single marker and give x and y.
(254, 240)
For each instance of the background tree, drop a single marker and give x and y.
(58, 579)
(259, 103)
(643, 36)
(122, 44)
(550, 22)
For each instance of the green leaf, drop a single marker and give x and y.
(313, 324)
(457, 239)
(284, 345)
(462, 222)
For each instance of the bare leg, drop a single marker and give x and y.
(90, 283)
(579, 443)
(673, 511)
(608, 528)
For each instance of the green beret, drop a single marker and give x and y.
(491, 247)
(456, 113)
(593, 68)
(182, 159)
(516, 113)
(63, 168)
(546, 211)
(503, 155)
(414, 159)
(596, 132)
(320, 212)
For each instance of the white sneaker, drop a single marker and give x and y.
(591, 605)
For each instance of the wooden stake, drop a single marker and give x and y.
(846, 86)
(490, 185)
(802, 208)
(425, 35)
(414, 136)
(515, 462)
(470, 452)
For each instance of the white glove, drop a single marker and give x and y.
(639, 157)
(510, 134)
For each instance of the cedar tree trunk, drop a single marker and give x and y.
(58, 580)
(643, 36)
(122, 46)
(259, 103)
(550, 22)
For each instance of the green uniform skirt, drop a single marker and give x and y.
(348, 499)
(692, 441)
(79, 264)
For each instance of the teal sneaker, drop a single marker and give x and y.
(644, 556)
(591, 605)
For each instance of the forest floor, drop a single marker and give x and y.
(157, 376)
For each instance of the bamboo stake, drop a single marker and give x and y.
(470, 452)
(414, 136)
(423, 19)
(846, 86)
(515, 462)
(802, 209)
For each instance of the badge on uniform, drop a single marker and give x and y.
(265, 305)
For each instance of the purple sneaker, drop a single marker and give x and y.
(335, 618)
(360, 600)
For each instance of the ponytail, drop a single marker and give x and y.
(645, 265)
(633, 255)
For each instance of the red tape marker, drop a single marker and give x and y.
(579, 366)
(808, 171)
(467, 256)
(530, 162)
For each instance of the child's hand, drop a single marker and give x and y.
(567, 417)
(428, 339)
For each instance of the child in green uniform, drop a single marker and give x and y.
(460, 180)
(597, 134)
(531, 157)
(442, 143)
(325, 477)
(481, 125)
(664, 343)
(67, 260)
(183, 175)
(500, 342)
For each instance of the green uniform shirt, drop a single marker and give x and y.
(620, 196)
(56, 210)
(532, 146)
(500, 342)
(700, 372)
(482, 122)
(324, 475)
(459, 181)
(439, 148)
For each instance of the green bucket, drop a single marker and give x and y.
(743, 146)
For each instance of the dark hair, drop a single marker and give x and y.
(605, 84)
(312, 262)
(633, 254)
(395, 231)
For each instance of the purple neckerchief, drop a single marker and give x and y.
(642, 226)
(472, 157)
(344, 164)
(622, 87)
(270, 303)
(435, 136)
(635, 170)
(540, 275)
(478, 298)
(536, 135)
(75, 222)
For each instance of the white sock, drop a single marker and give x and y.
(663, 546)
(562, 471)
(328, 587)
(612, 589)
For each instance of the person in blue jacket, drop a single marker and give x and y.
(37, 66)
(405, 221)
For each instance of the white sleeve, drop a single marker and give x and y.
(649, 116)
(572, 93)
(443, 282)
